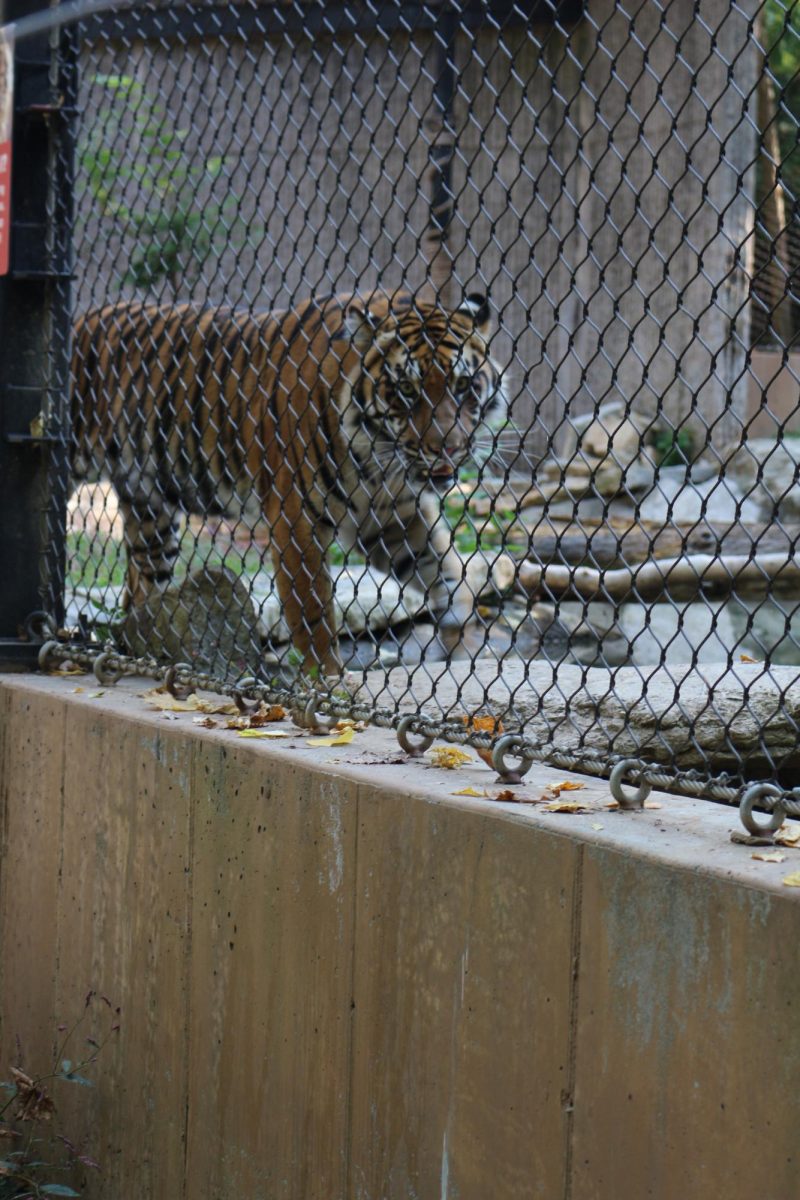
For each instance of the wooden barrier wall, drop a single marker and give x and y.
(340, 982)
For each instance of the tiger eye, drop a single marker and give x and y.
(462, 384)
(406, 389)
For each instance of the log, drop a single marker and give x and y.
(681, 578)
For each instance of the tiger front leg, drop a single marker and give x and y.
(306, 591)
(419, 551)
(152, 541)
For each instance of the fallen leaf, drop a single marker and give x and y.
(507, 796)
(448, 757)
(79, 689)
(266, 714)
(342, 738)
(567, 786)
(596, 826)
(611, 804)
(566, 806)
(745, 658)
(484, 724)
(788, 835)
(792, 880)
(193, 703)
(95, 695)
(652, 804)
(32, 1101)
(264, 733)
(470, 791)
(776, 856)
(205, 722)
(69, 668)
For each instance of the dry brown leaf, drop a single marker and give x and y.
(652, 804)
(788, 835)
(775, 856)
(31, 1101)
(507, 796)
(69, 668)
(566, 806)
(448, 757)
(205, 722)
(470, 791)
(265, 714)
(484, 724)
(792, 880)
(193, 703)
(567, 786)
(745, 658)
(342, 738)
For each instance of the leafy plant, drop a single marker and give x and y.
(143, 176)
(41, 1157)
(674, 447)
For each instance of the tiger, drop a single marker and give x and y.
(342, 418)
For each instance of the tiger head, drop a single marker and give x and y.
(426, 382)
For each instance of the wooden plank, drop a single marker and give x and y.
(272, 874)
(123, 929)
(462, 994)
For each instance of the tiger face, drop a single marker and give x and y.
(427, 384)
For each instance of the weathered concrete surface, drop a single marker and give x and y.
(710, 714)
(341, 981)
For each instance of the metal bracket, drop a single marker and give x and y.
(628, 799)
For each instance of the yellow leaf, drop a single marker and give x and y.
(745, 658)
(343, 738)
(448, 757)
(775, 856)
(264, 733)
(469, 791)
(788, 835)
(792, 880)
(651, 804)
(566, 806)
(567, 786)
(95, 695)
(79, 689)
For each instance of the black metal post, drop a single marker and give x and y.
(34, 340)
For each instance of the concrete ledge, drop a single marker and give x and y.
(340, 980)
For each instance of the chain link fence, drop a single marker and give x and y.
(435, 363)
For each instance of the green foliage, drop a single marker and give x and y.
(674, 447)
(155, 190)
(40, 1157)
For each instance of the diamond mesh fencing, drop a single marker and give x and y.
(434, 363)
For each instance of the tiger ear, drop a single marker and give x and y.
(476, 305)
(361, 325)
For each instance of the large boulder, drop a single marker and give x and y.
(768, 472)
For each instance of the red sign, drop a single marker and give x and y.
(6, 117)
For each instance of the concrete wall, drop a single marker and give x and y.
(340, 982)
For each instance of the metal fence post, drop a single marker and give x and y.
(34, 339)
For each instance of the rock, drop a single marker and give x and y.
(708, 716)
(490, 574)
(677, 498)
(609, 431)
(207, 621)
(777, 492)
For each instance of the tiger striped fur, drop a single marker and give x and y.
(338, 418)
